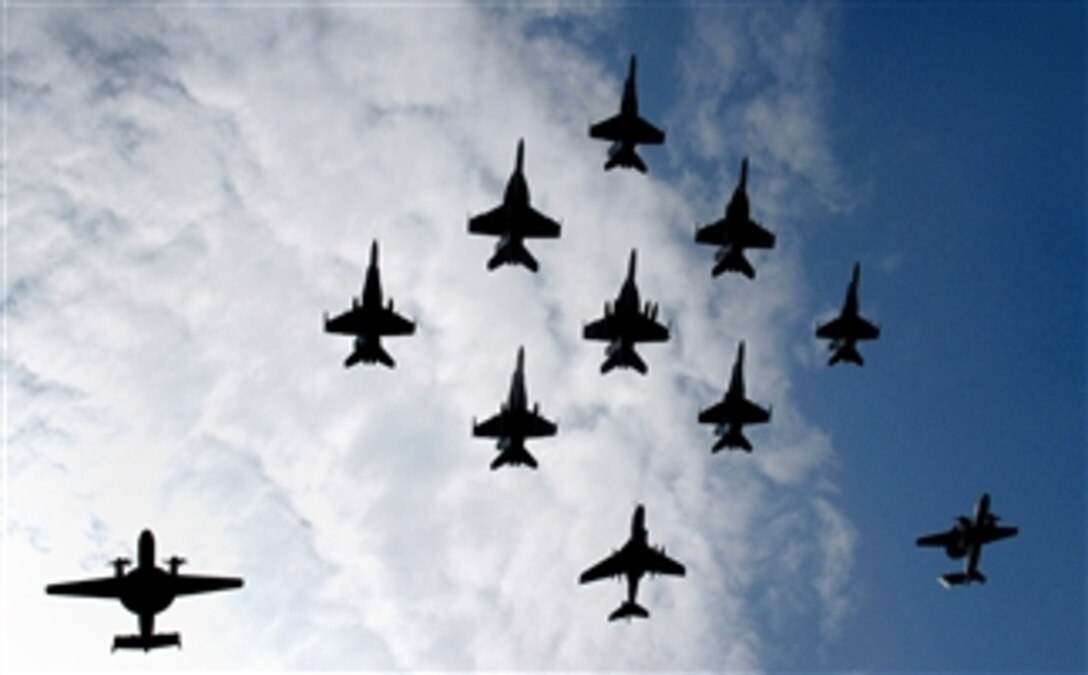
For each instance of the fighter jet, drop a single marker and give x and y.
(513, 221)
(966, 538)
(636, 558)
(145, 591)
(368, 321)
(627, 129)
(624, 324)
(514, 423)
(735, 232)
(848, 327)
(734, 411)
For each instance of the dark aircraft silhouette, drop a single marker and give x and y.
(515, 423)
(627, 129)
(636, 558)
(966, 538)
(145, 591)
(368, 321)
(624, 324)
(735, 232)
(513, 221)
(848, 327)
(734, 411)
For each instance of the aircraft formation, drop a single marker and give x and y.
(148, 589)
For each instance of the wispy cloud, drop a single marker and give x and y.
(191, 188)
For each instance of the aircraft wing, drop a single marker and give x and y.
(348, 323)
(656, 562)
(491, 222)
(942, 539)
(106, 587)
(645, 329)
(536, 224)
(754, 235)
(492, 427)
(391, 323)
(997, 533)
(612, 566)
(533, 424)
(601, 329)
(744, 413)
(620, 128)
(189, 584)
(715, 233)
(847, 327)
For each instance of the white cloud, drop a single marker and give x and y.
(191, 188)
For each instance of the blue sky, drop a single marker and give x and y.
(191, 187)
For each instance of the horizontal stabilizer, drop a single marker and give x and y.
(629, 610)
(625, 357)
(625, 156)
(733, 260)
(961, 578)
(146, 643)
(512, 254)
(369, 353)
(848, 353)
(514, 456)
(733, 439)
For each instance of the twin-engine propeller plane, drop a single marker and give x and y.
(145, 591)
(368, 321)
(965, 540)
(636, 558)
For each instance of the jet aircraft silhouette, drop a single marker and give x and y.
(848, 327)
(624, 324)
(368, 321)
(515, 422)
(734, 411)
(735, 232)
(145, 591)
(966, 539)
(513, 221)
(627, 129)
(636, 558)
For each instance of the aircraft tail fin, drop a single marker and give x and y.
(848, 353)
(732, 260)
(733, 439)
(961, 578)
(624, 155)
(369, 353)
(146, 643)
(629, 610)
(624, 357)
(516, 455)
(510, 253)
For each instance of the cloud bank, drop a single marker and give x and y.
(191, 187)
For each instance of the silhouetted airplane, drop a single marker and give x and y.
(848, 327)
(369, 321)
(627, 129)
(734, 411)
(515, 423)
(636, 558)
(513, 221)
(624, 324)
(966, 538)
(735, 232)
(145, 591)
